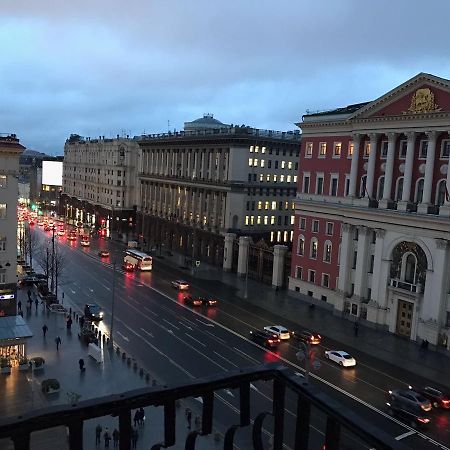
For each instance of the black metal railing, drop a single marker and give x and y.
(338, 417)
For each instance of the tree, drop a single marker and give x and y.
(52, 260)
(31, 244)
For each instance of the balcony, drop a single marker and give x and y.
(340, 422)
(413, 288)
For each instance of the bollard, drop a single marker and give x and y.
(147, 377)
(141, 372)
(129, 361)
(124, 355)
(135, 366)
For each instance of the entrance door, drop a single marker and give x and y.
(404, 318)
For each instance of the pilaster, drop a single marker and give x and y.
(361, 262)
(244, 245)
(279, 254)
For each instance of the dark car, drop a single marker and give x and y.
(208, 301)
(93, 311)
(103, 253)
(407, 398)
(28, 280)
(413, 416)
(307, 336)
(265, 338)
(437, 398)
(193, 301)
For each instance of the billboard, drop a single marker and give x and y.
(52, 173)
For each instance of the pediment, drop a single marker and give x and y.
(422, 94)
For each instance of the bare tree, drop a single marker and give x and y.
(52, 260)
(31, 244)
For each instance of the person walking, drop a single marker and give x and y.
(36, 302)
(98, 434)
(136, 418)
(58, 342)
(188, 414)
(107, 437)
(44, 329)
(29, 294)
(81, 364)
(116, 437)
(19, 305)
(141, 417)
(69, 322)
(134, 437)
(356, 329)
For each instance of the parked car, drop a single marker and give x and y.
(340, 357)
(103, 253)
(416, 418)
(265, 338)
(437, 398)
(193, 301)
(307, 336)
(181, 285)
(280, 331)
(92, 311)
(407, 398)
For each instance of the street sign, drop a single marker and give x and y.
(197, 263)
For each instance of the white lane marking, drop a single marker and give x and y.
(298, 374)
(73, 292)
(170, 331)
(223, 341)
(171, 324)
(184, 325)
(196, 340)
(92, 290)
(227, 360)
(147, 332)
(204, 323)
(122, 336)
(402, 436)
(150, 311)
(107, 288)
(247, 356)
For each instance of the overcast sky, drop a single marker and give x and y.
(107, 67)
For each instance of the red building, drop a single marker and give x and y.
(372, 228)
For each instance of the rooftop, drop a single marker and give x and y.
(14, 327)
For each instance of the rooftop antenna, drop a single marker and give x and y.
(168, 126)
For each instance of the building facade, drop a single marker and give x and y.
(99, 179)
(372, 228)
(213, 178)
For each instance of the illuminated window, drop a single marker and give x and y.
(252, 220)
(283, 164)
(255, 162)
(250, 162)
(285, 236)
(322, 149)
(262, 162)
(278, 236)
(288, 178)
(367, 149)
(272, 220)
(274, 206)
(286, 205)
(257, 149)
(259, 205)
(290, 165)
(3, 181)
(266, 205)
(268, 177)
(327, 252)
(251, 148)
(263, 149)
(313, 249)
(258, 220)
(351, 146)
(292, 220)
(281, 178)
(291, 235)
(295, 178)
(247, 220)
(337, 149)
(274, 178)
(271, 236)
(261, 177)
(301, 245)
(266, 220)
(309, 149)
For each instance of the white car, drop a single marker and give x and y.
(281, 332)
(181, 285)
(340, 357)
(85, 243)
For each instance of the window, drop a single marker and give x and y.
(290, 165)
(419, 190)
(366, 149)
(372, 261)
(256, 149)
(301, 245)
(441, 193)
(288, 179)
(266, 205)
(325, 280)
(384, 149)
(247, 220)
(322, 149)
(298, 272)
(410, 269)
(362, 191)
(399, 190)
(263, 150)
(269, 163)
(330, 226)
(3, 210)
(281, 178)
(260, 205)
(302, 223)
(295, 178)
(423, 149)
(292, 220)
(337, 148)
(327, 251)
(2, 244)
(306, 184)
(283, 164)
(274, 206)
(261, 177)
(309, 149)
(262, 163)
(272, 220)
(445, 151)
(3, 181)
(315, 226)
(380, 188)
(313, 248)
(355, 256)
(351, 147)
(268, 177)
(251, 148)
(319, 185)
(334, 186)
(347, 185)
(402, 149)
(266, 220)
(250, 162)
(312, 276)
(274, 178)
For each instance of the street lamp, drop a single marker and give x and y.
(246, 274)
(113, 302)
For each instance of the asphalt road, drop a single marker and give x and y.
(178, 343)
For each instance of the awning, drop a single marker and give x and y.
(14, 327)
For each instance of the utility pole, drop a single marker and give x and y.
(113, 302)
(52, 285)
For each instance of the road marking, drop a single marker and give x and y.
(147, 332)
(171, 324)
(73, 292)
(247, 356)
(184, 325)
(122, 336)
(214, 336)
(227, 360)
(402, 436)
(196, 340)
(150, 311)
(205, 323)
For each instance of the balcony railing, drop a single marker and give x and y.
(338, 417)
(414, 288)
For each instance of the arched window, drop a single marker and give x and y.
(440, 193)
(419, 190)
(380, 188)
(399, 189)
(409, 268)
(313, 248)
(327, 248)
(301, 245)
(362, 190)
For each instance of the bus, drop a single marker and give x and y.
(138, 259)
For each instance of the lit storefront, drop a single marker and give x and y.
(14, 333)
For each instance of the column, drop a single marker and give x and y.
(392, 140)
(377, 296)
(228, 252)
(244, 244)
(202, 170)
(354, 166)
(444, 210)
(406, 194)
(429, 169)
(371, 166)
(361, 261)
(279, 254)
(344, 263)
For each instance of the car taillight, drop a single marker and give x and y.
(423, 419)
(446, 402)
(425, 407)
(270, 341)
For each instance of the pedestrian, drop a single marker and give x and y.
(30, 303)
(44, 329)
(58, 342)
(198, 423)
(116, 436)
(356, 328)
(29, 294)
(141, 417)
(107, 437)
(19, 305)
(98, 434)
(188, 414)
(136, 418)
(81, 364)
(134, 437)
(69, 322)
(36, 302)
(81, 321)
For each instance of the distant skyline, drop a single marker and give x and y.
(108, 68)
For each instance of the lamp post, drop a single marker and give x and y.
(113, 302)
(246, 274)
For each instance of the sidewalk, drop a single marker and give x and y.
(21, 390)
(292, 310)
